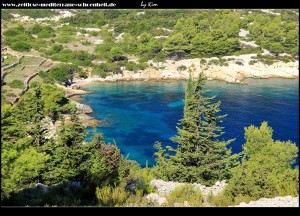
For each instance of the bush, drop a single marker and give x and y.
(94, 33)
(181, 68)
(16, 84)
(20, 46)
(203, 61)
(144, 176)
(109, 196)
(132, 66)
(86, 43)
(45, 34)
(102, 70)
(11, 33)
(10, 94)
(185, 193)
(160, 57)
(252, 62)
(239, 63)
(214, 62)
(221, 200)
(266, 169)
(83, 74)
(63, 39)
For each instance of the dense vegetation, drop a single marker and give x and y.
(200, 155)
(30, 154)
(157, 35)
(42, 138)
(265, 170)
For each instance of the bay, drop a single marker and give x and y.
(136, 114)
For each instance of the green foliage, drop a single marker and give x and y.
(132, 66)
(104, 165)
(45, 77)
(200, 155)
(181, 68)
(63, 39)
(276, 48)
(266, 169)
(13, 32)
(5, 15)
(184, 193)
(252, 62)
(104, 69)
(16, 84)
(21, 46)
(270, 59)
(203, 61)
(277, 35)
(86, 43)
(141, 178)
(160, 57)
(109, 196)
(34, 13)
(20, 166)
(64, 73)
(83, 74)
(221, 200)
(79, 58)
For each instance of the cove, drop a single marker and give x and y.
(136, 114)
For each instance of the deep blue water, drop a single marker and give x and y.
(136, 114)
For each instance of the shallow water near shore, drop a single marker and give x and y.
(136, 114)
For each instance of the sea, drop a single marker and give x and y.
(136, 114)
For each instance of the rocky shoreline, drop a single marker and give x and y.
(233, 73)
(164, 188)
(169, 70)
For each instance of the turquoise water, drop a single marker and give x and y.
(136, 114)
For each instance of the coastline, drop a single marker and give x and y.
(233, 73)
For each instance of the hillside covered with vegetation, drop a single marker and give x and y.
(42, 137)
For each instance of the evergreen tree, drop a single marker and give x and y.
(266, 168)
(200, 155)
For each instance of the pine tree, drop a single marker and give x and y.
(200, 155)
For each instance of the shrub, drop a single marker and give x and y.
(20, 46)
(239, 63)
(265, 170)
(203, 61)
(83, 74)
(252, 62)
(131, 66)
(86, 43)
(109, 196)
(45, 34)
(185, 193)
(214, 62)
(144, 175)
(160, 57)
(94, 33)
(10, 94)
(11, 33)
(63, 39)
(181, 68)
(16, 84)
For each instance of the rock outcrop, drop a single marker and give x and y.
(164, 188)
(232, 73)
(82, 108)
(287, 201)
